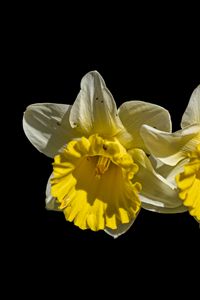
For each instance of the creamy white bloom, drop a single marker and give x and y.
(101, 173)
(180, 154)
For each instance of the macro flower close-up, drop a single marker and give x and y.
(102, 175)
(179, 153)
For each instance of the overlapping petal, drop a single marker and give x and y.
(134, 114)
(170, 148)
(156, 191)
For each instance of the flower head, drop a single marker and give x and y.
(181, 150)
(101, 173)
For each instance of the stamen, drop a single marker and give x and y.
(102, 165)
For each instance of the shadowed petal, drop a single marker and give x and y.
(134, 114)
(170, 148)
(47, 127)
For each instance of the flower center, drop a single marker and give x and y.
(93, 183)
(102, 166)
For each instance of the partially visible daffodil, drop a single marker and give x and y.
(100, 171)
(181, 150)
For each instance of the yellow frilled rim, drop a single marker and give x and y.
(188, 183)
(93, 183)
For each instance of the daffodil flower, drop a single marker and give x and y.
(181, 151)
(101, 173)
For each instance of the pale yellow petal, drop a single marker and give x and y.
(156, 191)
(170, 148)
(94, 110)
(192, 112)
(134, 114)
(47, 127)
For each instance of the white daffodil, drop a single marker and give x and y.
(100, 171)
(180, 149)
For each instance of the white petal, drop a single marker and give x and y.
(134, 114)
(192, 112)
(170, 148)
(170, 172)
(47, 127)
(115, 233)
(50, 201)
(156, 163)
(163, 210)
(156, 190)
(94, 110)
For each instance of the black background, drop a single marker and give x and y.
(141, 56)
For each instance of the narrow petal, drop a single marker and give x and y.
(170, 148)
(156, 190)
(47, 127)
(192, 112)
(94, 110)
(122, 228)
(134, 114)
(50, 201)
